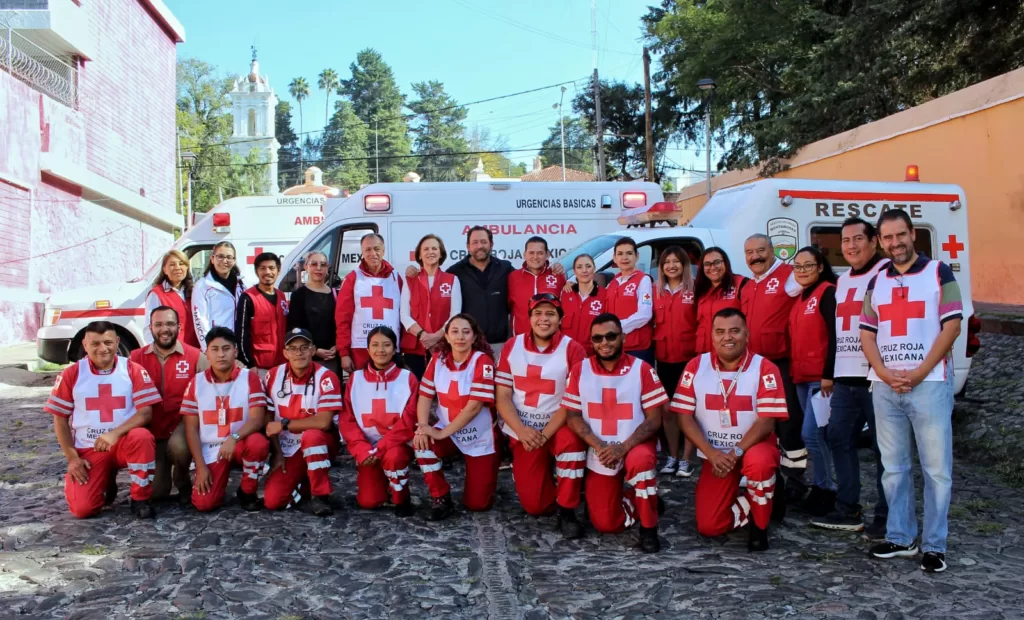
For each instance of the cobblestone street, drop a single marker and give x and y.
(502, 564)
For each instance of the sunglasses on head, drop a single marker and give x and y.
(610, 337)
(543, 297)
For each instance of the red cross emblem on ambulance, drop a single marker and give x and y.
(446, 290)
(772, 285)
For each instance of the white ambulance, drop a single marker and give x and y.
(254, 224)
(795, 213)
(563, 213)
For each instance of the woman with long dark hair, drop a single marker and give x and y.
(582, 301)
(428, 300)
(461, 379)
(675, 343)
(311, 307)
(716, 288)
(378, 437)
(812, 345)
(215, 295)
(173, 288)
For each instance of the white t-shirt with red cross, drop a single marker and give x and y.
(758, 393)
(613, 401)
(99, 401)
(537, 378)
(303, 397)
(455, 385)
(223, 408)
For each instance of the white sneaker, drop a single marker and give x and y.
(685, 469)
(671, 466)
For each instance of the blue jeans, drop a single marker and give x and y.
(851, 409)
(814, 437)
(928, 411)
(646, 355)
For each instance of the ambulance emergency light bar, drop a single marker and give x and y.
(668, 212)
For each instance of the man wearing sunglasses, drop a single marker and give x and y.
(614, 403)
(532, 374)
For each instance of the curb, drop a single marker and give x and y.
(1000, 324)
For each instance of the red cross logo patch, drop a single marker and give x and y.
(687, 379)
(446, 290)
(595, 306)
(624, 370)
(145, 376)
(326, 385)
(687, 297)
(629, 289)
(181, 367)
(551, 280)
(769, 382)
(812, 305)
(771, 286)
(488, 371)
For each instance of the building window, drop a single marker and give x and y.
(252, 122)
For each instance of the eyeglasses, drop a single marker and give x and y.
(224, 257)
(306, 348)
(316, 264)
(805, 268)
(543, 297)
(713, 264)
(610, 337)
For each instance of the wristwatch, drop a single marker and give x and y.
(285, 422)
(236, 436)
(738, 451)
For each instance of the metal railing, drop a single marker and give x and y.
(40, 69)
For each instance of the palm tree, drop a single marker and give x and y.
(328, 81)
(299, 90)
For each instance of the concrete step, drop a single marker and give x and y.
(1000, 318)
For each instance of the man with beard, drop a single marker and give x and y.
(261, 318)
(910, 320)
(547, 457)
(370, 296)
(172, 364)
(728, 402)
(614, 403)
(768, 299)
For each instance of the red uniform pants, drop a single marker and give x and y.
(481, 475)
(311, 464)
(612, 509)
(250, 453)
(388, 477)
(136, 452)
(723, 507)
(554, 473)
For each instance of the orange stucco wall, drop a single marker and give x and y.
(979, 148)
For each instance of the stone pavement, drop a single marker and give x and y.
(501, 564)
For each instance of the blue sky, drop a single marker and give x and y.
(478, 48)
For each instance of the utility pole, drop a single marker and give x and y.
(597, 92)
(647, 115)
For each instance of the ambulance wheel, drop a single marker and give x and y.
(126, 345)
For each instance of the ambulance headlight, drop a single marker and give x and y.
(955, 205)
(787, 201)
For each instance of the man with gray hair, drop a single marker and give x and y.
(370, 295)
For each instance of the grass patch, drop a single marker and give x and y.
(1011, 472)
(526, 550)
(94, 550)
(191, 615)
(980, 505)
(776, 580)
(48, 367)
(10, 478)
(989, 528)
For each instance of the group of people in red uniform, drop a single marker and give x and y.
(706, 361)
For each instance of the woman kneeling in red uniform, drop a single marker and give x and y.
(461, 377)
(377, 424)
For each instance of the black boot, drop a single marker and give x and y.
(442, 508)
(142, 509)
(249, 501)
(779, 498)
(569, 524)
(819, 502)
(758, 539)
(405, 509)
(111, 493)
(649, 542)
(661, 507)
(318, 507)
(185, 496)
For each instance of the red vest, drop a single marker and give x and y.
(624, 306)
(171, 379)
(767, 307)
(524, 284)
(187, 327)
(808, 337)
(675, 326)
(430, 308)
(268, 328)
(709, 305)
(579, 313)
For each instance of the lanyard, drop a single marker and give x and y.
(732, 386)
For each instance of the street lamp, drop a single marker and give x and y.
(561, 123)
(707, 85)
(189, 158)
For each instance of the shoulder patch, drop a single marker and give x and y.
(488, 371)
(326, 385)
(56, 384)
(145, 376)
(687, 379)
(769, 381)
(654, 374)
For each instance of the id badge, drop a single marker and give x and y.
(725, 418)
(222, 416)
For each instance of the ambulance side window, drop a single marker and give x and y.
(199, 258)
(349, 255)
(829, 239)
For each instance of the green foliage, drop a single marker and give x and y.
(344, 149)
(790, 72)
(289, 166)
(437, 127)
(327, 81)
(579, 146)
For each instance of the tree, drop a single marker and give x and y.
(377, 101)
(579, 146)
(299, 90)
(289, 166)
(438, 128)
(790, 72)
(344, 149)
(327, 81)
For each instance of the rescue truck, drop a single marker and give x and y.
(254, 224)
(795, 213)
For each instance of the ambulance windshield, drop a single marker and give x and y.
(594, 247)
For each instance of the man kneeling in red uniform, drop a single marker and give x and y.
(728, 402)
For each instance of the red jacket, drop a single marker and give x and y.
(624, 300)
(171, 379)
(429, 308)
(269, 324)
(524, 284)
(675, 326)
(345, 305)
(401, 433)
(579, 313)
(171, 299)
(767, 307)
(808, 336)
(711, 303)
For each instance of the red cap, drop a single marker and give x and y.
(546, 298)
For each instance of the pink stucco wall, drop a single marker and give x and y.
(123, 130)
